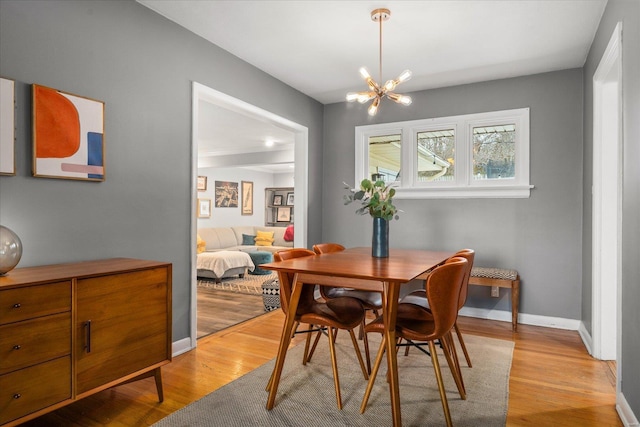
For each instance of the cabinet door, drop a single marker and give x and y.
(122, 325)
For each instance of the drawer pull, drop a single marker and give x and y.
(87, 327)
(17, 347)
(17, 396)
(17, 305)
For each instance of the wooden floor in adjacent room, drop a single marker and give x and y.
(553, 382)
(219, 309)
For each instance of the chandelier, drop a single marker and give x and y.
(376, 91)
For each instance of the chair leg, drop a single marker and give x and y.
(315, 344)
(449, 349)
(307, 342)
(443, 395)
(464, 347)
(356, 347)
(372, 377)
(334, 364)
(366, 352)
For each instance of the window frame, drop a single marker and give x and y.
(463, 185)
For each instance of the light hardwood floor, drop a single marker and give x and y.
(553, 382)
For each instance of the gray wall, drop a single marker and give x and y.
(627, 11)
(142, 66)
(540, 236)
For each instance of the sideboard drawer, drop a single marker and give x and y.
(34, 301)
(28, 390)
(26, 343)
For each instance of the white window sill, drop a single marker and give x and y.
(496, 192)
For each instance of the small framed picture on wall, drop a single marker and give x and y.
(247, 198)
(204, 208)
(202, 183)
(284, 214)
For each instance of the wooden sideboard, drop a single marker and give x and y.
(71, 330)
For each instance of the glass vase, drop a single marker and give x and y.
(380, 238)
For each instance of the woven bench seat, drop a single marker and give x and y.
(502, 278)
(271, 294)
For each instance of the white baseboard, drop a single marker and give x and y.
(586, 338)
(523, 318)
(627, 416)
(181, 346)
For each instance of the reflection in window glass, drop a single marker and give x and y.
(384, 157)
(436, 155)
(494, 152)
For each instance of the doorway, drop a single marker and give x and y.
(607, 202)
(203, 93)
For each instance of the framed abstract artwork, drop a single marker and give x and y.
(247, 198)
(68, 135)
(7, 127)
(226, 194)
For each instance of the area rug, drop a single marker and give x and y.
(250, 284)
(306, 394)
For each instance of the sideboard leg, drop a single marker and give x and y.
(158, 376)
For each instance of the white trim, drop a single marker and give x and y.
(523, 318)
(625, 412)
(606, 207)
(181, 346)
(586, 337)
(301, 180)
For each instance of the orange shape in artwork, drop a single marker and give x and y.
(57, 124)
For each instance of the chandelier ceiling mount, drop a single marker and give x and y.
(377, 91)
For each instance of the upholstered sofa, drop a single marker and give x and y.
(232, 239)
(230, 251)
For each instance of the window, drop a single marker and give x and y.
(475, 155)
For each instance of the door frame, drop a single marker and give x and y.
(201, 92)
(607, 203)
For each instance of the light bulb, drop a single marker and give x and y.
(364, 73)
(373, 109)
(352, 96)
(404, 76)
(390, 85)
(405, 100)
(364, 97)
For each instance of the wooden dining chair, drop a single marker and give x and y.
(371, 301)
(419, 297)
(417, 325)
(335, 314)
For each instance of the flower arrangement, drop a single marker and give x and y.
(376, 199)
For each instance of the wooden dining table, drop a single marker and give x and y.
(356, 268)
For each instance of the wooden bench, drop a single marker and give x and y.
(501, 278)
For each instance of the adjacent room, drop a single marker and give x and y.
(319, 212)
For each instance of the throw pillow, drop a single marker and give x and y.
(202, 245)
(264, 238)
(288, 234)
(248, 239)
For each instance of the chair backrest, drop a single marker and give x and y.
(286, 281)
(325, 248)
(469, 255)
(328, 292)
(443, 291)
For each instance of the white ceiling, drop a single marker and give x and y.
(317, 47)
